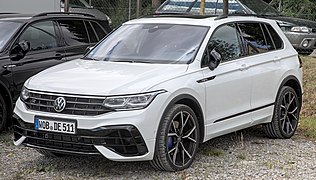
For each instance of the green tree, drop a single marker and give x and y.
(296, 8)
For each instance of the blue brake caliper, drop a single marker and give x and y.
(170, 142)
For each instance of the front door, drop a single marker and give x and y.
(228, 87)
(45, 51)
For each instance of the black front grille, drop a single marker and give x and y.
(314, 30)
(124, 140)
(75, 105)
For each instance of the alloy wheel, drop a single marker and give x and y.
(289, 111)
(182, 139)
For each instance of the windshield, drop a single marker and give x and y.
(7, 29)
(151, 43)
(193, 6)
(216, 7)
(259, 7)
(75, 4)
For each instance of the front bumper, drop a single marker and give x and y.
(123, 140)
(302, 41)
(118, 136)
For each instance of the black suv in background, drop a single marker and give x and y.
(30, 44)
(300, 32)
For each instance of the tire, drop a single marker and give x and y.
(286, 115)
(177, 139)
(49, 153)
(3, 113)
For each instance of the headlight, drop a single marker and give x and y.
(131, 102)
(300, 29)
(25, 94)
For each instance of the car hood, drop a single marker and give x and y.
(295, 21)
(89, 77)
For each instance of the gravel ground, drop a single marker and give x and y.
(246, 154)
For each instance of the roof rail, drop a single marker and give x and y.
(199, 16)
(184, 15)
(222, 16)
(8, 13)
(62, 13)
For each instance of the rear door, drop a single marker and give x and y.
(76, 37)
(264, 65)
(46, 51)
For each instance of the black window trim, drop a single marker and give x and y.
(95, 33)
(282, 47)
(85, 27)
(264, 26)
(96, 22)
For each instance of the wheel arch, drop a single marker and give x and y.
(7, 98)
(193, 103)
(293, 82)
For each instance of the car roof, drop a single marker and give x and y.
(197, 20)
(30, 17)
(15, 17)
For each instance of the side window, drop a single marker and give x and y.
(276, 38)
(100, 32)
(74, 32)
(270, 44)
(92, 35)
(225, 40)
(254, 40)
(41, 36)
(76, 4)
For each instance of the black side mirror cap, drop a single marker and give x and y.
(215, 59)
(19, 50)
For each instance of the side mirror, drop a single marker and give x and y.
(88, 49)
(215, 59)
(19, 50)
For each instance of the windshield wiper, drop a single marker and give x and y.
(89, 58)
(131, 61)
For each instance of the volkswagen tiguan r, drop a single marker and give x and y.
(157, 87)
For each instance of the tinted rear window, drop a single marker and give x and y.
(74, 32)
(276, 38)
(267, 36)
(92, 35)
(254, 40)
(98, 30)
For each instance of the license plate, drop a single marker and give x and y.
(60, 126)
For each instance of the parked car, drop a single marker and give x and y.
(82, 6)
(29, 44)
(157, 87)
(40, 6)
(300, 32)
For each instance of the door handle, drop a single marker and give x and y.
(9, 66)
(243, 67)
(59, 56)
(276, 59)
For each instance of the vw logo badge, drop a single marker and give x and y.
(59, 104)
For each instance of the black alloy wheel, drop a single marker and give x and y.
(177, 140)
(286, 114)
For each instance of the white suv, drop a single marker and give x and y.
(157, 87)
